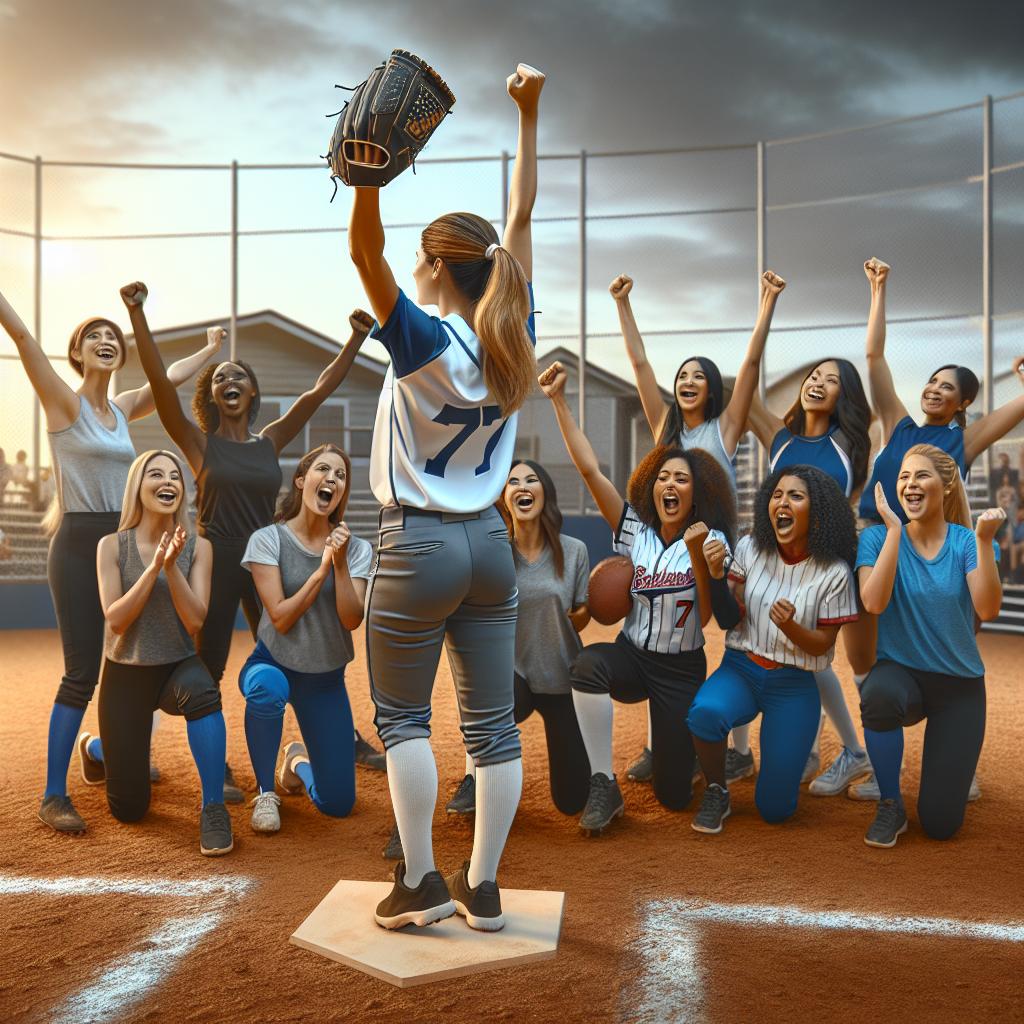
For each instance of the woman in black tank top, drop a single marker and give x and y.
(236, 469)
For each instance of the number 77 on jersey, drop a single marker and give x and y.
(470, 421)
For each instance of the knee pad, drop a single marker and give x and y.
(265, 689)
(75, 693)
(588, 674)
(879, 709)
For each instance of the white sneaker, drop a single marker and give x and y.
(286, 778)
(265, 814)
(840, 773)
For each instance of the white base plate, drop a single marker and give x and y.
(342, 928)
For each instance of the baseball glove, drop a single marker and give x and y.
(388, 120)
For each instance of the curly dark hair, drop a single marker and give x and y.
(713, 405)
(714, 502)
(832, 532)
(204, 408)
(852, 415)
(550, 515)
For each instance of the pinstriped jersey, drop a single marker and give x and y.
(823, 594)
(664, 617)
(440, 441)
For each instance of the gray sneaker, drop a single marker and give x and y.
(840, 773)
(368, 756)
(890, 822)
(604, 805)
(714, 809)
(59, 813)
(215, 838)
(642, 769)
(738, 766)
(463, 800)
(811, 767)
(393, 850)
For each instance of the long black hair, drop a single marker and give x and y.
(204, 408)
(852, 415)
(967, 382)
(713, 406)
(550, 514)
(832, 531)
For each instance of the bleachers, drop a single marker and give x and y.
(28, 544)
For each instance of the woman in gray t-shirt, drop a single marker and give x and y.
(310, 574)
(552, 571)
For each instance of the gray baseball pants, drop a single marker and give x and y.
(444, 577)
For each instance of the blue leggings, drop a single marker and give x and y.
(321, 707)
(788, 700)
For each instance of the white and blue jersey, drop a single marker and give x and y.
(439, 439)
(664, 617)
(823, 452)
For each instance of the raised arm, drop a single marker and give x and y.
(876, 581)
(694, 537)
(888, 407)
(183, 432)
(983, 582)
(366, 247)
(282, 430)
(524, 86)
(348, 593)
(998, 423)
(59, 402)
(763, 422)
(733, 421)
(191, 597)
(654, 406)
(609, 501)
(138, 403)
(119, 608)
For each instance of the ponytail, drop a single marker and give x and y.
(955, 506)
(497, 287)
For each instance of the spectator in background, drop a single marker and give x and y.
(19, 471)
(45, 489)
(1016, 547)
(5, 474)
(1002, 475)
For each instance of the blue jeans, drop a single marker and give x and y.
(788, 700)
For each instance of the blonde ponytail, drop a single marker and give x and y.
(497, 287)
(955, 506)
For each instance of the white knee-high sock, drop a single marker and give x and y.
(498, 787)
(595, 713)
(156, 722)
(650, 728)
(470, 766)
(412, 779)
(834, 705)
(741, 738)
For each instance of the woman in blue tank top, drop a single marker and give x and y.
(92, 452)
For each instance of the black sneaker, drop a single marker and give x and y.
(714, 809)
(604, 805)
(890, 822)
(368, 757)
(463, 801)
(738, 766)
(215, 837)
(59, 813)
(232, 793)
(394, 851)
(481, 907)
(427, 904)
(642, 769)
(94, 773)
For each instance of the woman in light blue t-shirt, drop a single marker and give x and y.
(927, 581)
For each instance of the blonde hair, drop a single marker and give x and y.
(131, 507)
(955, 506)
(496, 286)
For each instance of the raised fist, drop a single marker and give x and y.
(876, 271)
(621, 287)
(524, 87)
(1018, 367)
(339, 538)
(695, 535)
(782, 611)
(771, 284)
(215, 337)
(134, 294)
(361, 322)
(714, 555)
(552, 380)
(989, 523)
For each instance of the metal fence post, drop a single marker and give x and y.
(762, 262)
(233, 334)
(37, 325)
(582, 369)
(988, 362)
(504, 189)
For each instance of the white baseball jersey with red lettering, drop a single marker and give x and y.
(822, 592)
(664, 618)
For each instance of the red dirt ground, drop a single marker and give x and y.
(247, 970)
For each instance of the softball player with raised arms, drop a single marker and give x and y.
(91, 453)
(442, 449)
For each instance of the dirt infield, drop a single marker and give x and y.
(626, 953)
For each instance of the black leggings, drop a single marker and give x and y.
(129, 695)
(229, 584)
(71, 573)
(669, 682)
(568, 766)
(894, 696)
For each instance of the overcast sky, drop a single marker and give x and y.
(215, 80)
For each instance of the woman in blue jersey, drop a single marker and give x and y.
(92, 452)
(676, 501)
(699, 418)
(826, 427)
(442, 449)
(928, 580)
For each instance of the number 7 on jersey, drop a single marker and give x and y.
(470, 420)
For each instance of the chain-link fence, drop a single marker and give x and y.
(939, 196)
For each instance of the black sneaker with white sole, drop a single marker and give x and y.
(890, 823)
(604, 804)
(394, 850)
(714, 809)
(463, 800)
(481, 907)
(428, 903)
(738, 766)
(368, 756)
(642, 769)
(59, 813)
(215, 838)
